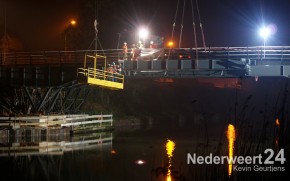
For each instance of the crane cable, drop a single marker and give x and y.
(200, 24)
(96, 25)
(181, 26)
(194, 31)
(97, 40)
(173, 26)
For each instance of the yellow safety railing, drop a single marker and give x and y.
(99, 77)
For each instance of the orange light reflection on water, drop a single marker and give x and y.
(170, 146)
(231, 136)
(277, 123)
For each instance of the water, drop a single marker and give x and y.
(135, 153)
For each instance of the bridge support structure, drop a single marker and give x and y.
(64, 99)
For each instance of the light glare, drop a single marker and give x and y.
(143, 33)
(268, 30)
(73, 22)
(170, 44)
(140, 162)
(265, 32)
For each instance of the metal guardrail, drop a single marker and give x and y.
(55, 121)
(50, 57)
(281, 53)
(102, 74)
(102, 78)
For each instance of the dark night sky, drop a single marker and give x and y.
(40, 24)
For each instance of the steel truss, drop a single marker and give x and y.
(65, 99)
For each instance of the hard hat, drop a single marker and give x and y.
(125, 43)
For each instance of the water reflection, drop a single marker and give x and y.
(52, 154)
(130, 155)
(20, 144)
(277, 122)
(277, 131)
(231, 136)
(170, 146)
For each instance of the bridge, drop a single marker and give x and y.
(59, 81)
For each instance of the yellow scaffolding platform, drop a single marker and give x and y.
(99, 77)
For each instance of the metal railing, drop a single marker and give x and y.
(51, 57)
(104, 77)
(55, 120)
(101, 74)
(281, 53)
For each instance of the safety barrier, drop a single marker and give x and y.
(105, 77)
(102, 78)
(257, 53)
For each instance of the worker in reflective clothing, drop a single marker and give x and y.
(152, 45)
(140, 45)
(111, 71)
(134, 53)
(125, 51)
(138, 50)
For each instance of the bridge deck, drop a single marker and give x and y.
(58, 67)
(279, 54)
(59, 82)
